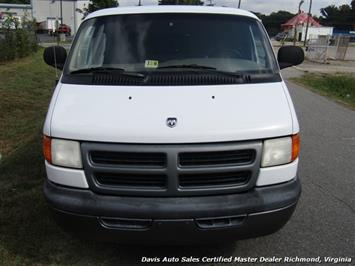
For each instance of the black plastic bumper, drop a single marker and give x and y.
(207, 219)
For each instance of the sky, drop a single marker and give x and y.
(262, 6)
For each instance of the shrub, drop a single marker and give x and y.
(17, 39)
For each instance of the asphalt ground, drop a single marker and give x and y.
(323, 224)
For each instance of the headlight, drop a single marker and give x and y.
(280, 151)
(61, 152)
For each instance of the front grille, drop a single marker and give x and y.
(214, 180)
(128, 158)
(171, 170)
(131, 180)
(234, 157)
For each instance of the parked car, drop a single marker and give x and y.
(64, 29)
(171, 124)
(280, 36)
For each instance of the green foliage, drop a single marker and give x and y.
(342, 17)
(19, 39)
(25, 89)
(273, 21)
(339, 87)
(180, 2)
(100, 4)
(16, 1)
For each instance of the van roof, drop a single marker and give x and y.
(171, 9)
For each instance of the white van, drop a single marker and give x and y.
(172, 124)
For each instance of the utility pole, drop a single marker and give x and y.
(139, 3)
(295, 31)
(309, 15)
(61, 12)
(240, 2)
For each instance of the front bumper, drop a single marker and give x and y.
(179, 220)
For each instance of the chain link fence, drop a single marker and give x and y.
(318, 48)
(342, 45)
(322, 48)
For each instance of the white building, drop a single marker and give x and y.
(297, 26)
(46, 12)
(315, 32)
(16, 10)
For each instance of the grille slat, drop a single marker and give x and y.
(218, 160)
(237, 157)
(129, 159)
(131, 180)
(216, 179)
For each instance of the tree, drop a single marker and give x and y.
(341, 17)
(180, 2)
(274, 21)
(100, 4)
(95, 5)
(16, 1)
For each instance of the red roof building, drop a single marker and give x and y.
(300, 20)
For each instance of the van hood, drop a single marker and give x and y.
(139, 114)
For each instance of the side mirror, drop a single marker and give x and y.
(290, 56)
(55, 56)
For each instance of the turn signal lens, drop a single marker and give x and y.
(295, 146)
(47, 150)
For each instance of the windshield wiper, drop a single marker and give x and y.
(245, 77)
(189, 66)
(203, 68)
(115, 70)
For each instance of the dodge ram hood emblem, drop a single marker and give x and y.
(171, 122)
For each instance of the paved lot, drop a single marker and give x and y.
(324, 221)
(332, 67)
(46, 40)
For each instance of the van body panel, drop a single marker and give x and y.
(129, 161)
(171, 9)
(203, 113)
(47, 122)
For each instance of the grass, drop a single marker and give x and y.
(340, 87)
(28, 234)
(25, 88)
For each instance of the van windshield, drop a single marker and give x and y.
(172, 42)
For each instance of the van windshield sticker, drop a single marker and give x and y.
(151, 64)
